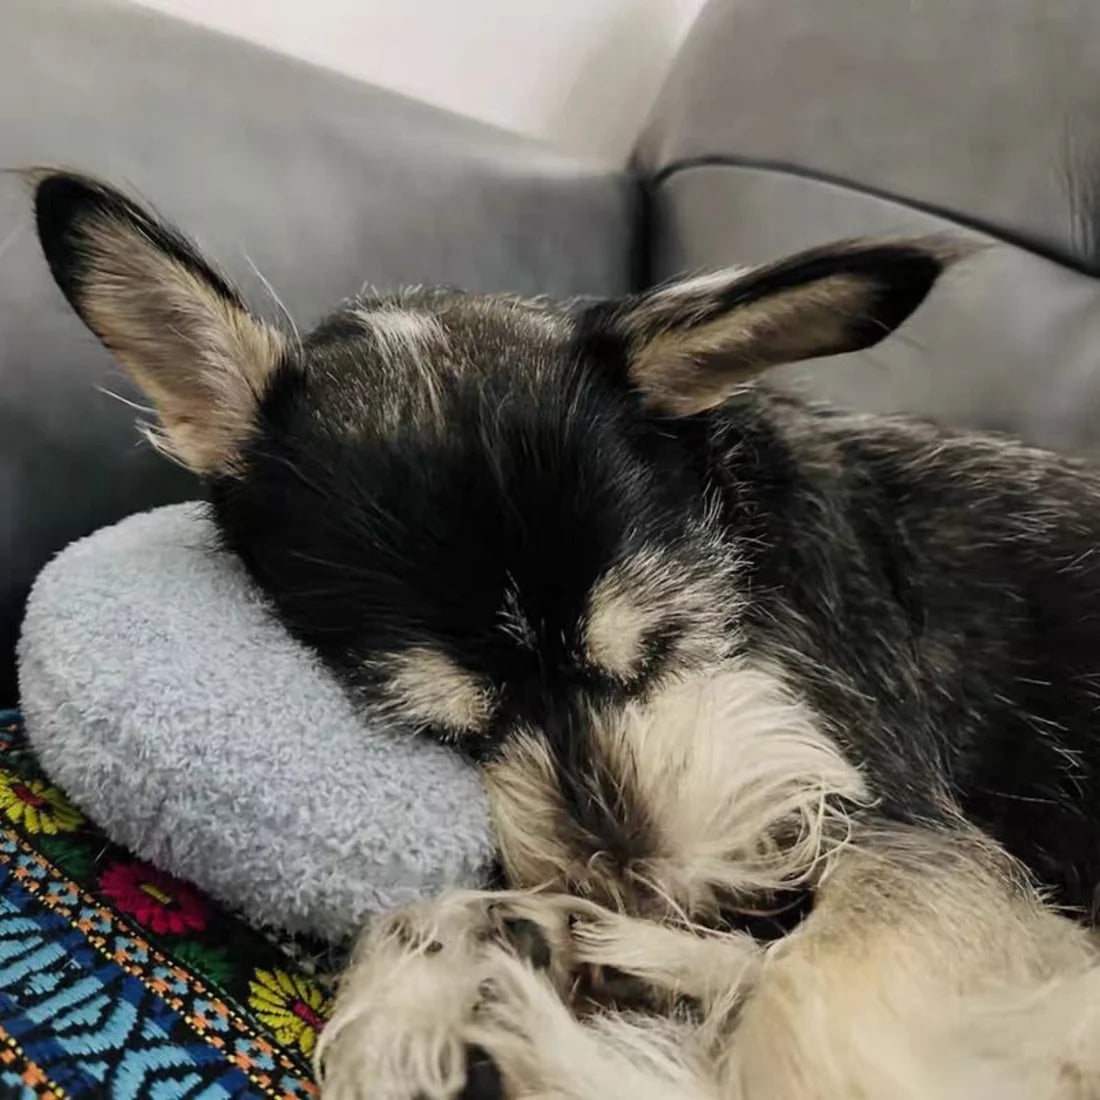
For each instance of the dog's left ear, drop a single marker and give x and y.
(689, 344)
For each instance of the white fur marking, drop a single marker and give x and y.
(699, 286)
(736, 776)
(514, 621)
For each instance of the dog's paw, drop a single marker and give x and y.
(432, 1006)
(608, 939)
(536, 929)
(525, 1030)
(595, 958)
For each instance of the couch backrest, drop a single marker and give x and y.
(785, 125)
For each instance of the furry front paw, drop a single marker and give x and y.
(431, 1007)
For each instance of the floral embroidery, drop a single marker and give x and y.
(59, 888)
(72, 855)
(209, 960)
(160, 902)
(36, 806)
(290, 1006)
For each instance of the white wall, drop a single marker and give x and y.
(581, 73)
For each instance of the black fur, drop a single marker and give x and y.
(483, 1081)
(64, 206)
(373, 545)
(945, 617)
(934, 596)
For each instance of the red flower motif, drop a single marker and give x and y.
(163, 904)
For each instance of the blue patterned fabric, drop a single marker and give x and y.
(116, 981)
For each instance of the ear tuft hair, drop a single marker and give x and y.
(691, 343)
(176, 325)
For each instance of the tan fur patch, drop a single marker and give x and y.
(686, 370)
(636, 597)
(202, 360)
(927, 971)
(426, 687)
(616, 628)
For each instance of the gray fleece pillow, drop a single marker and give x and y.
(185, 721)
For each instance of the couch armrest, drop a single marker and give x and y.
(321, 182)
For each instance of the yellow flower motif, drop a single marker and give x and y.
(292, 1008)
(37, 806)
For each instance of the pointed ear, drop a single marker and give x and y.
(690, 344)
(180, 330)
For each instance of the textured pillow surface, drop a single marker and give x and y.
(159, 692)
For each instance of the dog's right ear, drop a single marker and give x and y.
(689, 345)
(180, 330)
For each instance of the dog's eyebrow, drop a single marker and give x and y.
(642, 595)
(425, 687)
(617, 621)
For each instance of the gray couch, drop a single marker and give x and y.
(781, 125)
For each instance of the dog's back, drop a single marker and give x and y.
(936, 596)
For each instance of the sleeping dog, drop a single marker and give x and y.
(716, 651)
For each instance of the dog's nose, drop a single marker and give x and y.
(483, 1081)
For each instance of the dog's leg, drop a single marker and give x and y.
(462, 998)
(714, 970)
(543, 1050)
(928, 970)
(585, 950)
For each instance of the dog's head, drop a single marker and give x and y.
(471, 505)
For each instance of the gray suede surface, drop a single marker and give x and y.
(185, 721)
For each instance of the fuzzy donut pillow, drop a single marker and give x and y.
(186, 722)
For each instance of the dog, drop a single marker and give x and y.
(787, 715)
